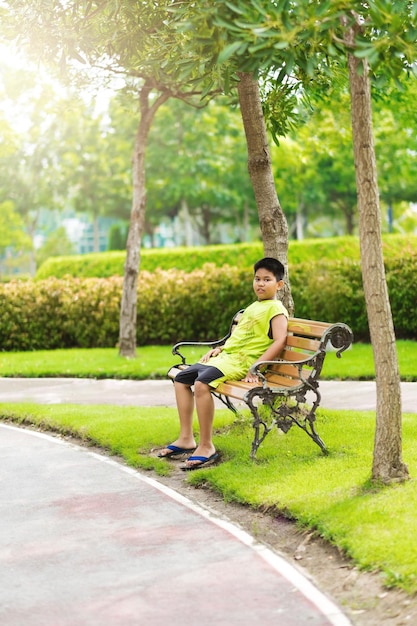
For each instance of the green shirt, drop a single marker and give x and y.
(248, 342)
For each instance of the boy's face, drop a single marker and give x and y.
(265, 285)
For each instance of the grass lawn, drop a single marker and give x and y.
(375, 526)
(154, 362)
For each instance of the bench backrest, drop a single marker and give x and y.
(305, 350)
(302, 357)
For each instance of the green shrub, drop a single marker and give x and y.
(331, 291)
(174, 305)
(106, 264)
(58, 313)
(402, 287)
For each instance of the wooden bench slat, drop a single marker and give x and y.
(310, 328)
(282, 381)
(303, 343)
(236, 389)
(291, 371)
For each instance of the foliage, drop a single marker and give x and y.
(204, 169)
(56, 244)
(117, 237)
(106, 264)
(174, 304)
(12, 233)
(30, 172)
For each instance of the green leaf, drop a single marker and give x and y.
(364, 53)
(234, 8)
(281, 45)
(230, 50)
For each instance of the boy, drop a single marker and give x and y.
(260, 335)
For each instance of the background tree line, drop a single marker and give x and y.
(63, 153)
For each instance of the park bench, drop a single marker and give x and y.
(282, 397)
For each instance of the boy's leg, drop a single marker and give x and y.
(185, 405)
(205, 412)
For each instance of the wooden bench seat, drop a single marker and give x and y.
(287, 383)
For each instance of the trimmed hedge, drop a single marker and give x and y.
(175, 305)
(105, 264)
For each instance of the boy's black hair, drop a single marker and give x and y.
(272, 265)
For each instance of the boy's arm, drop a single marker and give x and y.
(279, 325)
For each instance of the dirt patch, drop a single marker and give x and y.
(360, 595)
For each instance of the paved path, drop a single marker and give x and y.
(335, 395)
(85, 541)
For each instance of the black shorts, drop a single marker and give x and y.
(203, 373)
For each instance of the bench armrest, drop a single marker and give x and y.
(256, 369)
(210, 344)
(181, 344)
(338, 337)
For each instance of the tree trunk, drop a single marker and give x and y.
(96, 234)
(387, 462)
(274, 227)
(245, 225)
(186, 227)
(299, 217)
(128, 323)
(349, 221)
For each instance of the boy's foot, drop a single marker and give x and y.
(173, 451)
(195, 462)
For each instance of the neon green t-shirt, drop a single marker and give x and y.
(248, 341)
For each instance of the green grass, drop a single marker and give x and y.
(151, 362)
(154, 361)
(376, 527)
(358, 362)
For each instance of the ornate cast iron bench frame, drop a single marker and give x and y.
(285, 382)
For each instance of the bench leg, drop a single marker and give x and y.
(284, 416)
(259, 425)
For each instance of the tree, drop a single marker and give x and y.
(387, 460)
(136, 43)
(396, 148)
(56, 244)
(215, 45)
(322, 36)
(29, 167)
(317, 160)
(12, 231)
(97, 179)
(272, 220)
(197, 170)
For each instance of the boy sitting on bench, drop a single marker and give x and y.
(260, 335)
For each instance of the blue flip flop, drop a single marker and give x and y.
(202, 461)
(174, 451)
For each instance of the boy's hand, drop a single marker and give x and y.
(210, 353)
(251, 378)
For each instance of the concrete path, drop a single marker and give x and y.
(85, 541)
(335, 395)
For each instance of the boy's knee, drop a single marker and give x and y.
(201, 388)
